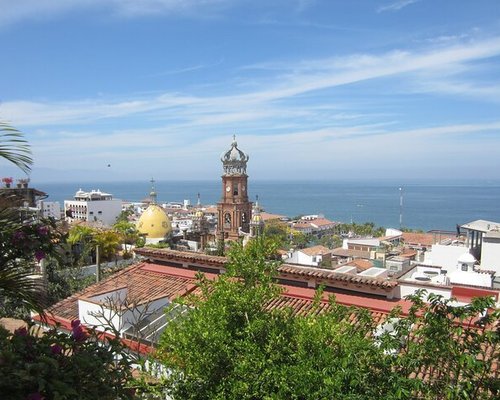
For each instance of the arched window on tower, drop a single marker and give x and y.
(243, 217)
(235, 190)
(227, 220)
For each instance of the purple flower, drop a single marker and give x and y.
(77, 332)
(19, 235)
(34, 396)
(56, 349)
(39, 255)
(22, 331)
(43, 230)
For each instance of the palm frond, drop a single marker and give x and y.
(14, 148)
(18, 283)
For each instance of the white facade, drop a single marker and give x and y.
(490, 252)
(305, 257)
(94, 206)
(107, 311)
(368, 242)
(444, 256)
(49, 209)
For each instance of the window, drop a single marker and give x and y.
(465, 267)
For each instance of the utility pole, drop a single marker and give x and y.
(400, 208)
(98, 264)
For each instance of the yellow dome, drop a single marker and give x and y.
(256, 218)
(199, 213)
(154, 223)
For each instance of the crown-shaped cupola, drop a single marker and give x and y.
(234, 161)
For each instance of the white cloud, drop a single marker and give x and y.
(397, 5)
(19, 10)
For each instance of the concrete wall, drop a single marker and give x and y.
(490, 254)
(444, 256)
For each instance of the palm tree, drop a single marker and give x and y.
(15, 282)
(14, 148)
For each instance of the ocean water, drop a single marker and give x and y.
(425, 206)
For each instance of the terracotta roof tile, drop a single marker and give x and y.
(314, 250)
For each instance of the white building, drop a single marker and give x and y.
(49, 209)
(490, 252)
(312, 256)
(93, 206)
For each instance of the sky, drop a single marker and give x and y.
(120, 90)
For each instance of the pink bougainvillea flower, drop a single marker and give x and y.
(39, 255)
(19, 235)
(56, 349)
(77, 331)
(43, 230)
(22, 331)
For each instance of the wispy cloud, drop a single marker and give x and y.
(273, 94)
(15, 11)
(397, 5)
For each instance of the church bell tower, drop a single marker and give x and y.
(234, 209)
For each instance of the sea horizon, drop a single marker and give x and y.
(427, 204)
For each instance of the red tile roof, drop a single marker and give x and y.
(333, 277)
(424, 239)
(314, 250)
(360, 264)
(341, 252)
(322, 222)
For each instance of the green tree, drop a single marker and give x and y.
(129, 234)
(231, 346)
(15, 281)
(55, 365)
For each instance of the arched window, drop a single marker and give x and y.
(227, 220)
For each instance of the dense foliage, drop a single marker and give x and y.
(60, 366)
(232, 346)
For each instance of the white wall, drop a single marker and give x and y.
(405, 289)
(50, 209)
(490, 255)
(104, 211)
(444, 256)
(119, 320)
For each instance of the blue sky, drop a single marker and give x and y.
(325, 89)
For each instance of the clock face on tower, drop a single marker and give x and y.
(228, 188)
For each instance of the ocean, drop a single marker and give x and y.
(425, 206)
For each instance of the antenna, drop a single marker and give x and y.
(400, 207)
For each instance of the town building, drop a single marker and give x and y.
(49, 209)
(312, 256)
(93, 206)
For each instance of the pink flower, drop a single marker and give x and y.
(56, 349)
(39, 255)
(22, 331)
(77, 332)
(34, 396)
(19, 235)
(43, 230)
